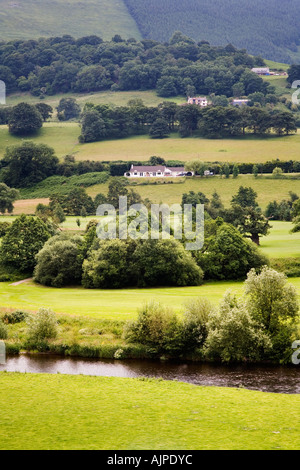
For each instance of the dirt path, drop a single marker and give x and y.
(21, 282)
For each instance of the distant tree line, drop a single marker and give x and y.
(181, 66)
(100, 122)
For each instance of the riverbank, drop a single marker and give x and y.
(40, 411)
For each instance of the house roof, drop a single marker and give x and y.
(150, 169)
(147, 168)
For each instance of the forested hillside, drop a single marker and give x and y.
(65, 64)
(28, 19)
(270, 28)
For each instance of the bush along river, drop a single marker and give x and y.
(265, 378)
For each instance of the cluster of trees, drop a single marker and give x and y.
(261, 325)
(101, 122)
(120, 263)
(267, 29)
(182, 66)
(244, 214)
(283, 210)
(28, 164)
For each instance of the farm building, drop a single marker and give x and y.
(261, 70)
(199, 101)
(156, 171)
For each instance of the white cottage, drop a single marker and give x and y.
(156, 172)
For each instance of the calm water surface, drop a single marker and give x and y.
(264, 378)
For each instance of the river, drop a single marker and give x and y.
(275, 379)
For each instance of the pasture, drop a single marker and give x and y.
(112, 98)
(39, 411)
(267, 189)
(63, 137)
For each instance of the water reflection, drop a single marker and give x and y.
(264, 378)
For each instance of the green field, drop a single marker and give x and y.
(116, 98)
(280, 243)
(28, 19)
(75, 412)
(111, 304)
(267, 189)
(63, 137)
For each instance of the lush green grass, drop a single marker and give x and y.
(277, 65)
(33, 19)
(249, 149)
(267, 189)
(280, 84)
(111, 304)
(77, 412)
(63, 137)
(116, 98)
(280, 243)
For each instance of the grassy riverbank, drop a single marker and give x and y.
(76, 412)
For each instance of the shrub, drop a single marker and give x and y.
(234, 336)
(195, 319)
(42, 326)
(157, 327)
(15, 317)
(3, 330)
(270, 299)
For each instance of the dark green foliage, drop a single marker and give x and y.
(116, 263)
(28, 164)
(67, 109)
(159, 129)
(63, 185)
(226, 254)
(92, 127)
(268, 29)
(18, 316)
(4, 226)
(62, 65)
(24, 119)
(109, 266)
(59, 263)
(173, 265)
(24, 239)
(73, 202)
(158, 328)
(7, 198)
(45, 110)
(3, 331)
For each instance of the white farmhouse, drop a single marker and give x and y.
(158, 171)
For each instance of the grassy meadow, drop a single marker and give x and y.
(63, 137)
(118, 304)
(112, 98)
(31, 19)
(39, 411)
(267, 189)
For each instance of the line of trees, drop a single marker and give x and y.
(101, 122)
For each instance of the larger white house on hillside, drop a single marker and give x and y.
(156, 171)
